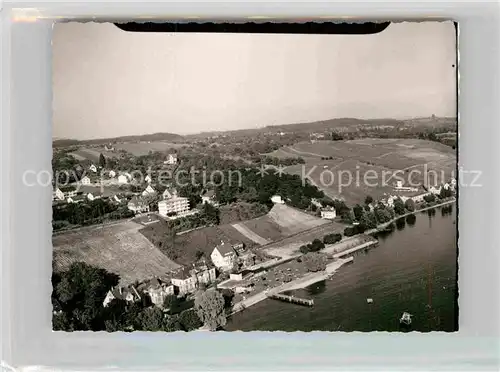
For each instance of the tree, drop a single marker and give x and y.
(151, 319)
(368, 200)
(102, 161)
(358, 211)
(429, 198)
(332, 238)
(410, 205)
(209, 306)
(80, 292)
(171, 302)
(304, 249)
(316, 245)
(382, 215)
(172, 324)
(348, 216)
(369, 220)
(190, 320)
(314, 262)
(399, 207)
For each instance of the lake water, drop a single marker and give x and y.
(413, 269)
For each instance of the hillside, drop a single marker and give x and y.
(170, 137)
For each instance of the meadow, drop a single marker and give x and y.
(119, 248)
(339, 167)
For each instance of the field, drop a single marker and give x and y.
(91, 154)
(134, 148)
(281, 222)
(119, 248)
(182, 249)
(369, 166)
(289, 246)
(143, 148)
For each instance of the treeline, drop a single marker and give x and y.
(254, 187)
(317, 245)
(78, 295)
(271, 160)
(87, 213)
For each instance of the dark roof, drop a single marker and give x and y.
(136, 201)
(209, 194)
(67, 188)
(182, 273)
(225, 249)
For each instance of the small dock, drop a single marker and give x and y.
(292, 299)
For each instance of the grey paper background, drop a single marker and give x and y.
(26, 135)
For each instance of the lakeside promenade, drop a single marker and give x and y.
(300, 283)
(312, 278)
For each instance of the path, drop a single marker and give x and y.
(250, 234)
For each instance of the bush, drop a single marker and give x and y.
(315, 262)
(332, 238)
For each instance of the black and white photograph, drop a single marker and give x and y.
(231, 181)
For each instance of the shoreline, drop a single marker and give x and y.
(331, 268)
(300, 283)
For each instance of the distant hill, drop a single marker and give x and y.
(310, 127)
(168, 137)
(332, 124)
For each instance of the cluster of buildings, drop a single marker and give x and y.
(433, 190)
(186, 280)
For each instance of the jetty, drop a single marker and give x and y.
(291, 299)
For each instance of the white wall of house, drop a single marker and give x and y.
(122, 179)
(223, 263)
(177, 205)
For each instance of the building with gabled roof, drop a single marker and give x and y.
(224, 256)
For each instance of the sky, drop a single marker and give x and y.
(109, 83)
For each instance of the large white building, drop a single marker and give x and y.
(187, 280)
(176, 205)
(224, 257)
(328, 213)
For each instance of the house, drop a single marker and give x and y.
(420, 197)
(93, 168)
(148, 179)
(399, 184)
(188, 279)
(112, 174)
(150, 191)
(171, 159)
(276, 199)
(58, 194)
(120, 293)
(175, 205)
(138, 205)
(169, 193)
(328, 213)
(435, 190)
(236, 276)
(124, 178)
(223, 257)
(157, 290)
(209, 198)
(94, 195)
(85, 181)
(64, 192)
(75, 199)
(109, 148)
